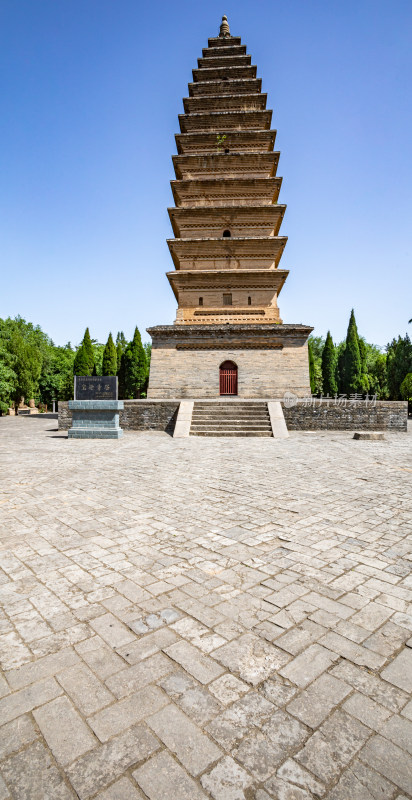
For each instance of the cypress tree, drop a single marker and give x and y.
(399, 364)
(88, 347)
(109, 358)
(135, 367)
(84, 359)
(406, 388)
(311, 369)
(340, 351)
(81, 364)
(119, 353)
(330, 386)
(363, 355)
(121, 375)
(121, 344)
(352, 366)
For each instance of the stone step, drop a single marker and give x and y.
(233, 424)
(221, 432)
(217, 423)
(231, 418)
(232, 400)
(220, 410)
(229, 415)
(223, 413)
(245, 420)
(230, 410)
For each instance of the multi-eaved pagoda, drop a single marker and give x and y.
(228, 337)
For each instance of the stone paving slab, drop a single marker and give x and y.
(204, 618)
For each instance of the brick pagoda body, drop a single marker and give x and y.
(227, 248)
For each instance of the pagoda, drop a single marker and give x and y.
(228, 337)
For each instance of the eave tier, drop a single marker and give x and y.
(228, 253)
(217, 73)
(242, 221)
(226, 191)
(228, 165)
(225, 102)
(238, 141)
(227, 50)
(227, 281)
(226, 86)
(222, 121)
(224, 41)
(225, 336)
(220, 59)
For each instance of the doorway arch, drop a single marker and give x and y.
(228, 378)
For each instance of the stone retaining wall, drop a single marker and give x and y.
(64, 415)
(138, 415)
(160, 415)
(385, 415)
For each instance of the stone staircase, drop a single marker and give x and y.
(231, 418)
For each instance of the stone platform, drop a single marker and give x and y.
(204, 619)
(161, 415)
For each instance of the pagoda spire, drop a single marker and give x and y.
(224, 28)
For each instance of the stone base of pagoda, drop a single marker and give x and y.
(270, 359)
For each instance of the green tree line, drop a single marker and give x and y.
(356, 367)
(32, 366)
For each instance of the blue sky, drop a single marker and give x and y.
(90, 91)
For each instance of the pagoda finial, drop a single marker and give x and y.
(224, 28)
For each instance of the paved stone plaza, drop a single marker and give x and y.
(202, 618)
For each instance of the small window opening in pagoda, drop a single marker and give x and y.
(249, 301)
(200, 301)
(227, 150)
(227, 299)
(226, 234)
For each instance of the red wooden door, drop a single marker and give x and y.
(228, 378)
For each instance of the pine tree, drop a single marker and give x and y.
(311, 369)
(352, 364)
(135, 367)
(329, 359)
(81, 364)
(109, 358)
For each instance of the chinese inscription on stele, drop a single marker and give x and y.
(95, 387)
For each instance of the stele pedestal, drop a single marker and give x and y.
(95, 409)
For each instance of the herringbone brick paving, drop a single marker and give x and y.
(204, 618)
